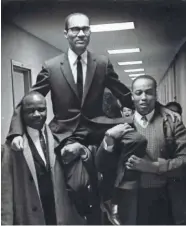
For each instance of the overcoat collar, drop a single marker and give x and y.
(29, 158)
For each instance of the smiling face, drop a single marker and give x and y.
(78, 41)
(127, 112)
(144, 95)
(34, 111)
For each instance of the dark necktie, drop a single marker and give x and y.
(79, 77)
(44, 148)
(145, 121)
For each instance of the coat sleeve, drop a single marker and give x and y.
(178, 160)
(42, 86)
(118, 89)
(6, 187)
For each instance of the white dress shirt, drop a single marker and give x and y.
(34, 135)
(72, 57)
(139, 118)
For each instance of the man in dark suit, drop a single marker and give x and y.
(76, 80)
(33, 184)
(76, 86)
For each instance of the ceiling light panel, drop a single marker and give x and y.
(130, 62)
(112, 27)
(134, 70)
(135, 75)
(118, 51)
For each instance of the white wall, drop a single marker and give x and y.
(173, 85)
(23, 47)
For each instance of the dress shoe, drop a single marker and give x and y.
(111, 211)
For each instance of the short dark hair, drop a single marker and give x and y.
(31, 93)
(71, 15)
(144, 77)
(176, 104)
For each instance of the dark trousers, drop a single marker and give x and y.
(145, 206)
(153, 206)
(127, 206)
(92, 134)
(81, 179)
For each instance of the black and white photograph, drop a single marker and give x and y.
(93, 112)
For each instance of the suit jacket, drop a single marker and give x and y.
(69, 112)
(20, 203)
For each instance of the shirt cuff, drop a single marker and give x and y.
(85, 153)
(108, 144)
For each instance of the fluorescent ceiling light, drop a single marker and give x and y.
(135, 75)
(134, 70)
(116, 51)
(112, 27)
(130, 62)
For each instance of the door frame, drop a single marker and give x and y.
(25, 69)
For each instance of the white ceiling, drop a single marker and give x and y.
(160, 29)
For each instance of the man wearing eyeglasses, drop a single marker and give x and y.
(76, 80)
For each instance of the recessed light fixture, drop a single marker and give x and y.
(135, 75)
(112, 27)
(134, 70)
(117, 51)
(130, 62)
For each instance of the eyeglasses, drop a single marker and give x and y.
(76, 30)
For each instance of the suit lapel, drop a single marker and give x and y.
(50, 139)
(91, 66)
(30, 161)
(52, 158)
(67, 73)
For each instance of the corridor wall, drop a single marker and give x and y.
(27, 49)
(173, 85)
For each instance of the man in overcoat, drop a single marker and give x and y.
(33, 189)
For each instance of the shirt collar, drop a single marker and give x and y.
(34, 132)
(149, 116)
(73, 56)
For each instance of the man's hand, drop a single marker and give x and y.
(173, 115)
(142, 165)
(117, 132)
(17, 143)
(72, 151)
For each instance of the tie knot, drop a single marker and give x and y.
(144, 121)
(79, 58)
(144, 118)
(41, 136)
